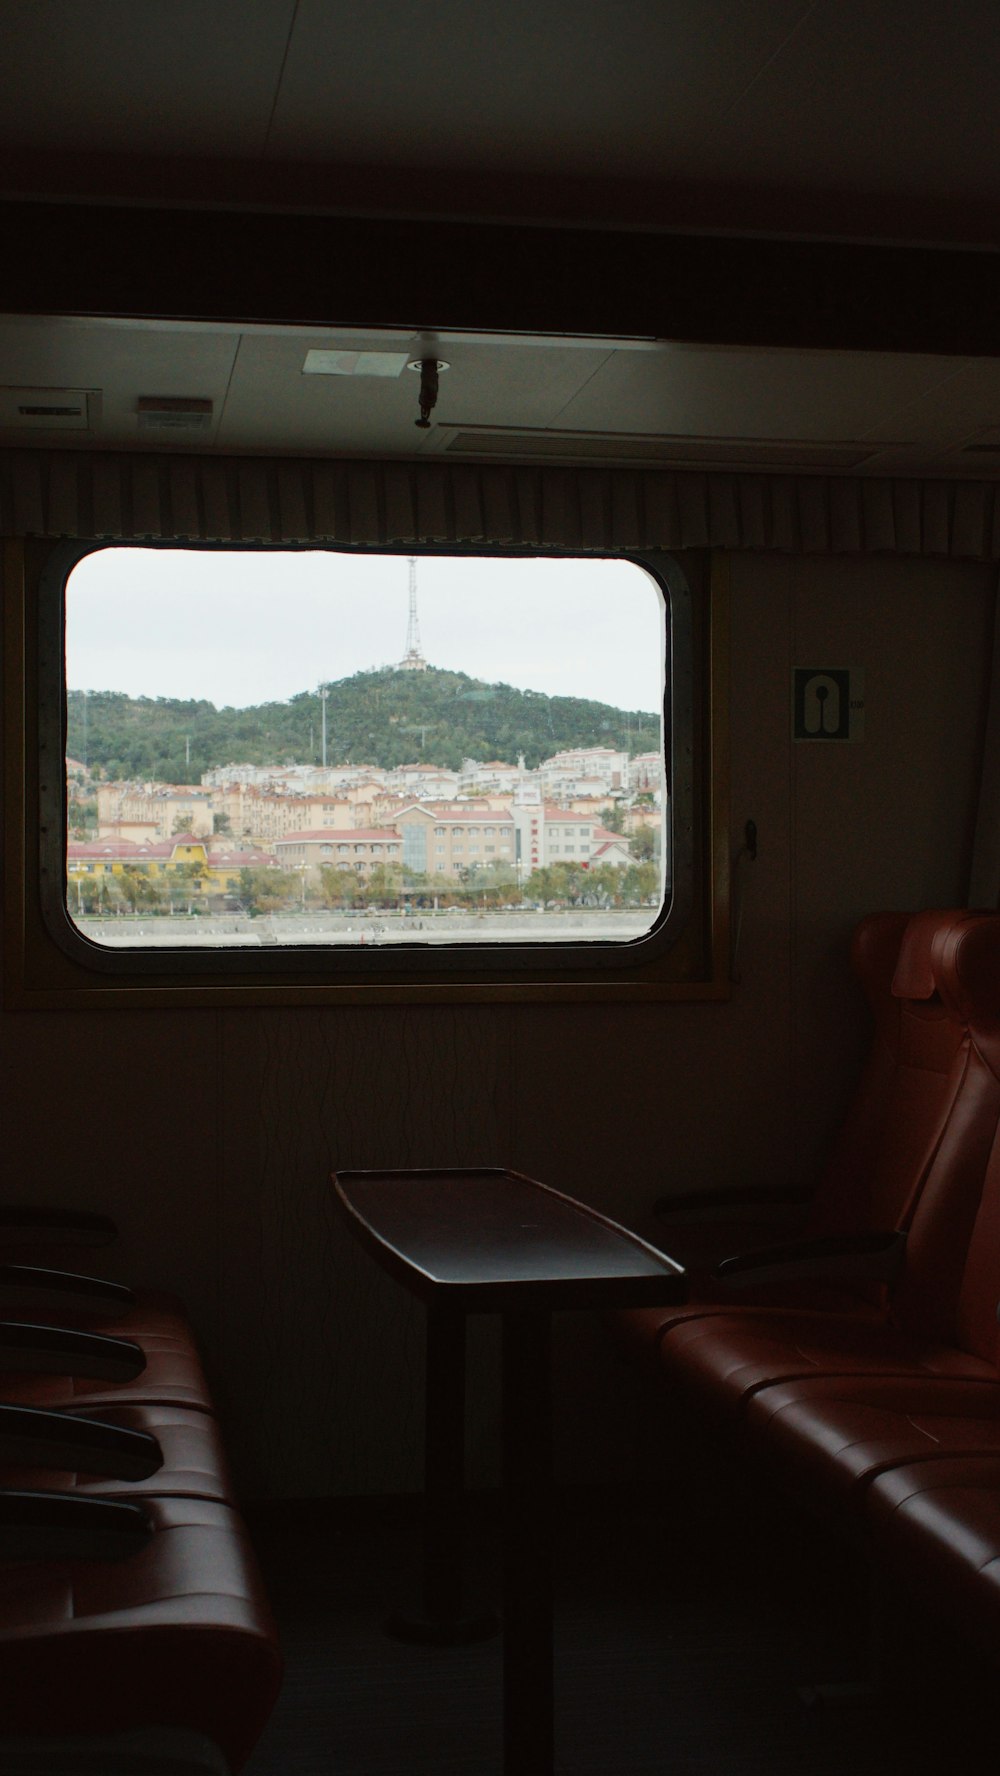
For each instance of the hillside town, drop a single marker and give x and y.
(584, 827)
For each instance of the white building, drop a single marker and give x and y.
(548, 834)
(318, 779)
(492, 777)
(614, 851)
(434, 781)
(604, 765)
(645, 773)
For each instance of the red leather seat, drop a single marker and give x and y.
(942, 1316)
(838, 1433)
(167, 1636)
(45, 1292)
(177, 1635)
(149, 1315)
(172, 1376)
(888, 1139)
(936, 1528)
(834, 1435)
(192, 1460)
(896, 1418)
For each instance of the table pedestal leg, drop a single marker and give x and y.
(440, 1618)
(527, 1544)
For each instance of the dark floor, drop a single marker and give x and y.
(684, 1632)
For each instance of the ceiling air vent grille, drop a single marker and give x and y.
(678, 452)
(174, 413)
(48, 409)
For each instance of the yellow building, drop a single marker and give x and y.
(109, 871)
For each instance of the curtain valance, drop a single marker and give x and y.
(144, 497)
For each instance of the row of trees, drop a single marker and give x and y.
(388, 886)
(374, 718)
(134, 891)
(270, 890)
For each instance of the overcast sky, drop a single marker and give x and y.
(254, 627)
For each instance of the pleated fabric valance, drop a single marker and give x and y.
(246, 499)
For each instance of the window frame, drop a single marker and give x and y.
(49, 964)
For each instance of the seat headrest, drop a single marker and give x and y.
(914, 973)
(875, 952)
(966, 962)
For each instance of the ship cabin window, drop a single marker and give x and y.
(216, 724)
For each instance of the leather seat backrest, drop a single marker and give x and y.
(951, 1282)
(908, 1086)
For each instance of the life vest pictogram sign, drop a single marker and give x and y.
(828, 703)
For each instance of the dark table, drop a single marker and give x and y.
(484, 1241)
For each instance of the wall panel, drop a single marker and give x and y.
(211, 1135)
(334, 1349)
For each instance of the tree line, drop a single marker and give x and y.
(386, 887)
(385, 718)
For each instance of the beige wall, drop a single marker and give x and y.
(211, 1135)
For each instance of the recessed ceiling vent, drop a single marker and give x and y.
(173, 413)
(48, 409)
(678, 452)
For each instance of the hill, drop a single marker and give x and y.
(383, 718)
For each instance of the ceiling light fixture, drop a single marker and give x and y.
(353, 363)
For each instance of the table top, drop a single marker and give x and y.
(487, 1239)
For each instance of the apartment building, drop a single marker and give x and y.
(603, 767)
(434, 781)
(448, 840)
(547, 833)
(492, 776)
(645, 773)
(264, 815)
(167, 807)
(359, 849)
(569, 837)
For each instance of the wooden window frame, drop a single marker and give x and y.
(42, 973)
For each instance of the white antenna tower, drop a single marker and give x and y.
(413, 631)
(413, 660)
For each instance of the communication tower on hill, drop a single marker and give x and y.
(413, 660)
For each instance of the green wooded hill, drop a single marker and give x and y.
(376, 718)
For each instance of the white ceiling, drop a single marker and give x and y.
(830, 117)
(553, 399)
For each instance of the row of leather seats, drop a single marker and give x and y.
(134, 1629)
(860, 1361)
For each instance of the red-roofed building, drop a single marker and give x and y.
(548, 834)
(613, 850)
(358, 849)
(449, 838)
(570, 837)
(206, 869)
